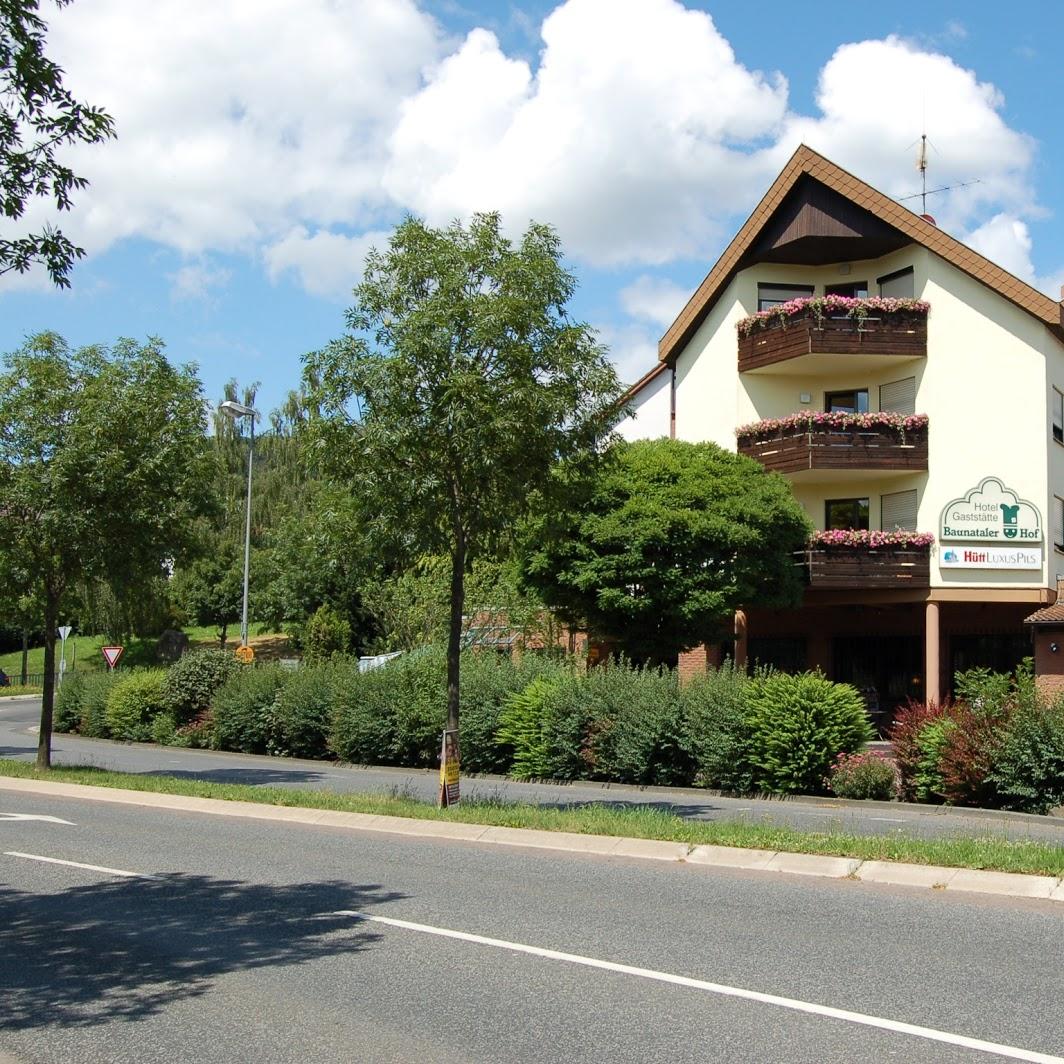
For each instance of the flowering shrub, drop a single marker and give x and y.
(867, 776)
(820, 307)
(870, 538)
(809, 420)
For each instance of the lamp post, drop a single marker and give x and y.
(238, 410)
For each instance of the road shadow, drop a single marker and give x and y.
(252, 777)
(125, 949)
(13, 751)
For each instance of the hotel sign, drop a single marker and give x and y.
(981, 557)
(992, 513)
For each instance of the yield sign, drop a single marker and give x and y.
(111, 655)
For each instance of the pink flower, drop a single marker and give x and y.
(811, 420)
(870, 539)
(819, 307)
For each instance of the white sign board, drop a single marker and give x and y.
(991, 513)
(972, 557)
(64, 632)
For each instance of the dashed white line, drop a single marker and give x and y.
(78, 864)
(895, 1026)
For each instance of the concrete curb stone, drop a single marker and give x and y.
(1005, 884)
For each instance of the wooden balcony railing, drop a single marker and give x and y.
(794, 450)
(897, 335)
(849, 568)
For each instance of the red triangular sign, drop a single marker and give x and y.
(111, 655)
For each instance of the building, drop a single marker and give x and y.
(905, 385)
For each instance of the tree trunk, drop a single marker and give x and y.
(222, 634)
(25, 656)
(454, 634)
(44, 736)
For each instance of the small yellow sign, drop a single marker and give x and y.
(245, 655)
(449, 769)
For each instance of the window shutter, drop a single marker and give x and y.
(1058, 523)
(898, 511)
(898, 397)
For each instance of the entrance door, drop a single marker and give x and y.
(887, 670)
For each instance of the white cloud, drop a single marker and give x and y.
(278, 130)
(877, 97)
(654, 299)
(237, 121)
(1006, 240)
(328, 264)
(629, 137)
(196, 280)
(633, 349)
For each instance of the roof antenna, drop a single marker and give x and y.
(921, 165)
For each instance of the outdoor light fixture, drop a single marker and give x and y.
(1054, 647)
(238, 410)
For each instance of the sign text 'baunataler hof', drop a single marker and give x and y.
(987, 515)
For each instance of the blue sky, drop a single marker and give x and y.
(264, 146)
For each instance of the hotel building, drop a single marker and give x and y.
(924, 399)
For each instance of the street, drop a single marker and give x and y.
(18, 739)
(163, 936)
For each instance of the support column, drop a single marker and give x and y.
(932, 680)
(740, 639)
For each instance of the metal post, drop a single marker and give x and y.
(247, 540)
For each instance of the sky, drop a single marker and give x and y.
(265, 145)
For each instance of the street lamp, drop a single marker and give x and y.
(238, 410)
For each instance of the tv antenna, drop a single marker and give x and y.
(921, 165)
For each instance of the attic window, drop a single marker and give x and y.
(772, 295)
(898, 285)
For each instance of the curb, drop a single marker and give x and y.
(1003, 884)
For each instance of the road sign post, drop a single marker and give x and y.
(64, 631)
(111, 656)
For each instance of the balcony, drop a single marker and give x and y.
(815, 446)
(814, 337)
(895, 560)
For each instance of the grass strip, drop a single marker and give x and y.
(987, 851)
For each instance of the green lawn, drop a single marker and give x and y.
(83, 651)
(984, 851)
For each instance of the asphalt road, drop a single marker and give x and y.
(19, 718)
(241, 947)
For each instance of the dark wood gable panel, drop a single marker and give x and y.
(814, 225)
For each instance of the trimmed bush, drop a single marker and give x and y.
(133, 702)
(94, 692)
(193, 679)
(300, 722)
(68, 697)
(909, 755)
(392, 715)
(870, 777)
(1028, 771)
(797, 726)
(524, 733)
(243, 710)
(164, 728)
(713, 709)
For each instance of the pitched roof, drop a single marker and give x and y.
(804, 162)
(643, 381)
(1048, 615)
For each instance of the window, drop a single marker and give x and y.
(856, 290)
(772, 295)
(846, 513)
(1058, 416)
(899, 285)
(898, 511)
(1058, 524)
(899, 397)
(854, 401)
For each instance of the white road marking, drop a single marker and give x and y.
(896, 1026)
(889, 819)
(77, 864)
(31, 816)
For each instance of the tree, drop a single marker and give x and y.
(210, 589)
(38, 116)
(462, 381)
(665, 543)
(103, 462)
